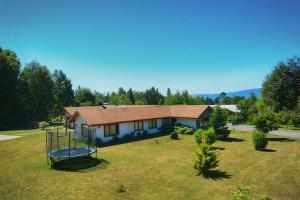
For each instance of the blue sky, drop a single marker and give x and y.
(202, 46)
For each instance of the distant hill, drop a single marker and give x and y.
(243, 93)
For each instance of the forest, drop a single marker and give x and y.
(32, 93)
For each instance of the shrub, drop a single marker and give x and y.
(218, 121)
(259, 140)
(205, 158)
(209, 134)
(243, 193)
(138, 134)
(145, 133)
(174, 136)
(120, 189)
(115, 138)
(266, 121)
(181, 129)
(98, 142)
(43, 124)
(132, 134)
(127, 136)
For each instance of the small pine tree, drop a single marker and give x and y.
(218, 121)
(205, 158)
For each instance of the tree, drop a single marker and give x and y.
(9, 73)
(63, 92)
(209, 134)
(205, 158)
(153, 97)
(281, 87)
(130, 96)
(266, 121)
(84, 96)
(259, 140)
(37, 92)
(169, 93)
(218, 121)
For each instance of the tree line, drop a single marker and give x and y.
(31, 93)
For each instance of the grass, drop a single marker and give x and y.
(24, 132)
(158, 168)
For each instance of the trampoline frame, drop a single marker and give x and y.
(91, 149)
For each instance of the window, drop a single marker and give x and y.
(111, 130)
(165, 122)
(138, 125)
(152, 123)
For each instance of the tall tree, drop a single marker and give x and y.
(84, 96)
(169, 93)
(63, 92)
(281, 87)
(153, 96)
(37, 91)
(9, 73)
(130, 96)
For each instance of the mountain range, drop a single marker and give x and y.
(243, 93)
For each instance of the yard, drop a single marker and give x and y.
(158, 168)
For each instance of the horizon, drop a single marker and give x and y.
(203, 47)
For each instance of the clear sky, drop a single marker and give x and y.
(202, 46)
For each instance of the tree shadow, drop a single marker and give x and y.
(268, 150)
(82, 164)
(280, 140)
(216, 175)
(218, 148)
(230, 139)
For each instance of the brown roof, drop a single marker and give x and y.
(123, 113)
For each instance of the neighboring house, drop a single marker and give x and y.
(121, 120)
(231, 108)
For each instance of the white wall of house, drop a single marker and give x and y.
(187, 122)
(68, 116)
(125, 128)
(77, 125)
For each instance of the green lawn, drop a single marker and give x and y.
(157, 168)
(28, 131)
(290, 128)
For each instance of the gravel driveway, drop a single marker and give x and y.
(8, 137)
(249, 128)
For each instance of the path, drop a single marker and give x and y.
(8, 137)
(249, 128)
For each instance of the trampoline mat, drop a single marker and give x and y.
(74, 152)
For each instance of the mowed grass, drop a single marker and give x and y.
(24, 132)
(158, 168)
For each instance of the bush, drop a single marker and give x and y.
(138, 134)
(205, 158)
(266, 121)
(145, 133)
(243, 193)
(132, 134)
(43, 124)
(209, 134)
(120, 189)
(181, 129)
(259, 140)
(127, 136)
(115, 138)
(174, 136)
(98, 142)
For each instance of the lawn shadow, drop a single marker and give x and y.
(230, 139)
(280, 140)
(268, 150)
(216, 175)
(218, 148)
(82, 164)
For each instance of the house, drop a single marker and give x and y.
(121, 120)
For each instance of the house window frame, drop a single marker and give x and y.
(152, 123)
(108, 128)
(139, 126)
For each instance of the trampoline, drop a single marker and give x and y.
(72, 152)
(67, 145)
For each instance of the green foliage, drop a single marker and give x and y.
(181, 129)
(248, 108)
(9, 73)
(266, 121)
(281, 87)
(243, 193)
(259, 140)
(145, 133)
(84, 96)
(174, 136)
(98, 142)
(120, 189)
(205, 158)
(209, 135)
(153, 97)
(218, 121)
(115, 138)
(43, 124)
